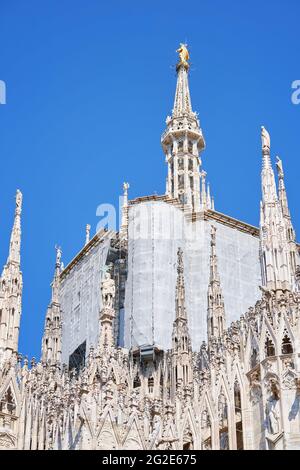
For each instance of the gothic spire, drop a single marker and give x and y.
(215, 301)
(124, 215)
(182, 102)
(183, 142)
(11, 287)
(289, 229)
(269, 194)
(15, 239)
(56, 278)
(181, 342)
(281, 190)
(51, 343)
(274, 247)
(180, 289)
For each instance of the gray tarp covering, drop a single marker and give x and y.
(80, 296)
(156, 230)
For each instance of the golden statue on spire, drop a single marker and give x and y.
(184, 56)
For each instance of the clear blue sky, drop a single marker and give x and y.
(89, 85)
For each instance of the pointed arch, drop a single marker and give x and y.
(10, 382)
(189, 431)
(238, 414)
(206, 429)
(268, 343)
(287, 337)
(223, 417)
(95, 375)
(113, 374)
(107, 437)
(134, 438)
(286, 343)
(8, 402)
(252, 350)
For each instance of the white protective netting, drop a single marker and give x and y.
(80, 297)
(156, 230)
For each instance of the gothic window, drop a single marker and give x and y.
(238, 416)
(180, 146)
(269, 347)
(136, 381)
(185, 374)
(190, 164)
(180, 164)
(151, 384)
(180, 181)
(190, 146)
(206, 430)
(223, 422)
(191, 182)
(253, 359)
(7, 404)
(286, 347)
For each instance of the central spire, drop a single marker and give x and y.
(182, 102)
(183, 141)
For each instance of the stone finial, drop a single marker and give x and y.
(279, 168)
(265, 139)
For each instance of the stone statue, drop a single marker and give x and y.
(272, 416)
(279, 167)
(108, 291)
(222, 409)
(183, 55)
(265, 138)
(58, 254)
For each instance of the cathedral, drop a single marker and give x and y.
(179, 331)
